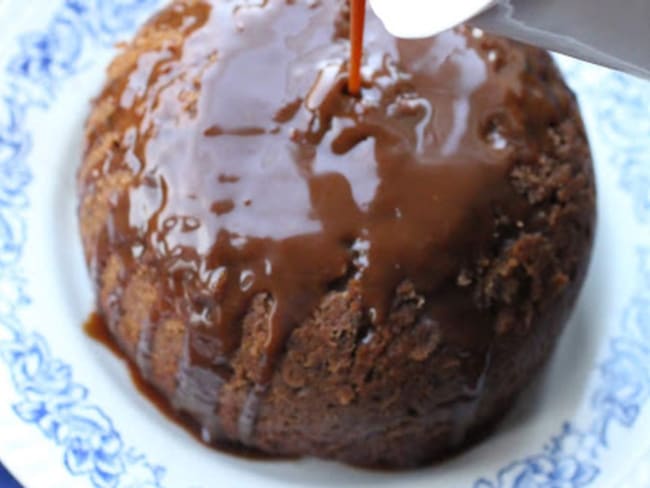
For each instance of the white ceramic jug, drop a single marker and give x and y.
(614, 33)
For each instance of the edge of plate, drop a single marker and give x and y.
(50, 399)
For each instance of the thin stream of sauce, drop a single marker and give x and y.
(252, 172)
(357, 26)
(95, 328)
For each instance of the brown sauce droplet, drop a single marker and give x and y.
(95, 328)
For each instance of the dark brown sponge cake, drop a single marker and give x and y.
(304, 272)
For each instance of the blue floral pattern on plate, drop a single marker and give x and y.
(571, 459)
(52, 401)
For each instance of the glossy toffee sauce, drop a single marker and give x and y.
(95, 328)
(252, 171)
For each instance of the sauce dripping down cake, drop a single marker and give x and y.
(304, 271)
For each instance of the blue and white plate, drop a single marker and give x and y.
(69, 415)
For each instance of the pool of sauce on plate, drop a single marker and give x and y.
(96, 329)
(357, 27)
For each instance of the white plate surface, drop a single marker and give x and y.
(69, 415)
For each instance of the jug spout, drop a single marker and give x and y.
(412, 19)
(613, 34)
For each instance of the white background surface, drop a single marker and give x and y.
(74, 300)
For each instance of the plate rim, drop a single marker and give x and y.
(31, 81)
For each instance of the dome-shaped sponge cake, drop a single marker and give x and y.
(301, 271)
